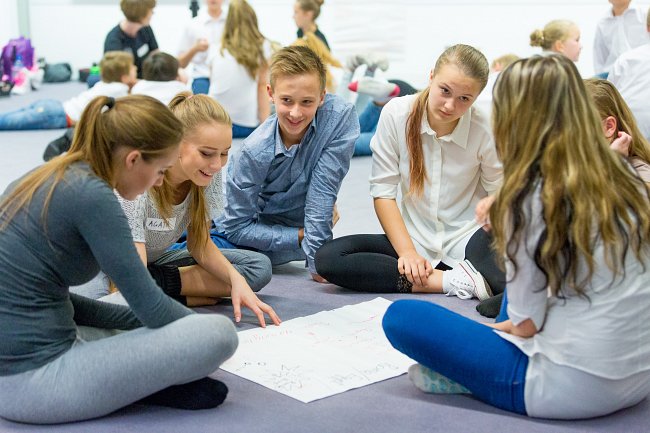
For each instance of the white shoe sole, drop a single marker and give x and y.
(483, 289)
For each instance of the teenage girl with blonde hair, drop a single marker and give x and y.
(558, 36)
(438, 150)
(239, 69)
(61, 358)
(572, 223)
(189, 198)
(617, 118)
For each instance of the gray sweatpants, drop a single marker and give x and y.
(253, 266)
(106, 369)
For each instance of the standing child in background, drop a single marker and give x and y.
(133, 34)
(160, 78)
(630, 76)
(440, 152)
(62, 358)
(239, 70)
(203, 31)
(283, 182)
(118, 74)
(558, 36)
(622, 29)
(305, 13)
(572, 224)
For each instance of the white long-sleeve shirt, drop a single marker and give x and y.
(631, 76)
(617, 35)
(462, 167)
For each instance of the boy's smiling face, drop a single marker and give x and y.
(296, 99)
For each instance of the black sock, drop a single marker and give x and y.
(204, 393)
(490, 307)
(168, 278)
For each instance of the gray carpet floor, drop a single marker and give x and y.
(390, 406)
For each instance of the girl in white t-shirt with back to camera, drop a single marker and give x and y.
(239, 70)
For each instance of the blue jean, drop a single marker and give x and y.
(468, 352)
(105, 370)
(42, 114)
(200, 86)
(277, 257)
(368, 125)
(239, 131)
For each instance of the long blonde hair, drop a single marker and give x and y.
(472, 63)
(135, 122)
(548, 135)
(312, 41)
(242, 37)
(609, 102)
(193, 112)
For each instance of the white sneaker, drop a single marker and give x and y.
(467, 283)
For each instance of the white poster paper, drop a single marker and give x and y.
(313, 357)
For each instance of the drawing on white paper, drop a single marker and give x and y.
(312, 357)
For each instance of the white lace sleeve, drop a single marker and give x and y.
(214, 196)
(135, 214)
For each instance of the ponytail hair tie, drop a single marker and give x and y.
(111, 102)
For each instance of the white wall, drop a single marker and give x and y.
(8, 21)
(411, 32)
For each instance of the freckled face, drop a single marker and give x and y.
(204, 152)
(451, 94)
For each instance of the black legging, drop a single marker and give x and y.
(368, 263)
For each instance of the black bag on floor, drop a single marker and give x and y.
(57, 73)
(59, 146)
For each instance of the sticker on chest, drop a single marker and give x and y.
(160, 225)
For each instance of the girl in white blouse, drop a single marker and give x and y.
(438, 152)
(572, 223)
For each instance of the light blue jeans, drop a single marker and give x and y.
(253, 266)
(368, 125)
(42, 114)
(105, 370)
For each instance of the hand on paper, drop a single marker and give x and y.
(416, 268)
(242, 294)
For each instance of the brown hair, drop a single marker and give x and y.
(609, 102)
(310, 40)
(193, 111)
(160, 66)
(114, 65)
(136, 10)
(242, 37)
(135, 122)
(311, 6)
(297, 60)
(556, 30)
(549, 136)
(472, 63)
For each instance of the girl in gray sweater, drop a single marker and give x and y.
(68, 358)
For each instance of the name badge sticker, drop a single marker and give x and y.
(159, 224)
(143, 50)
